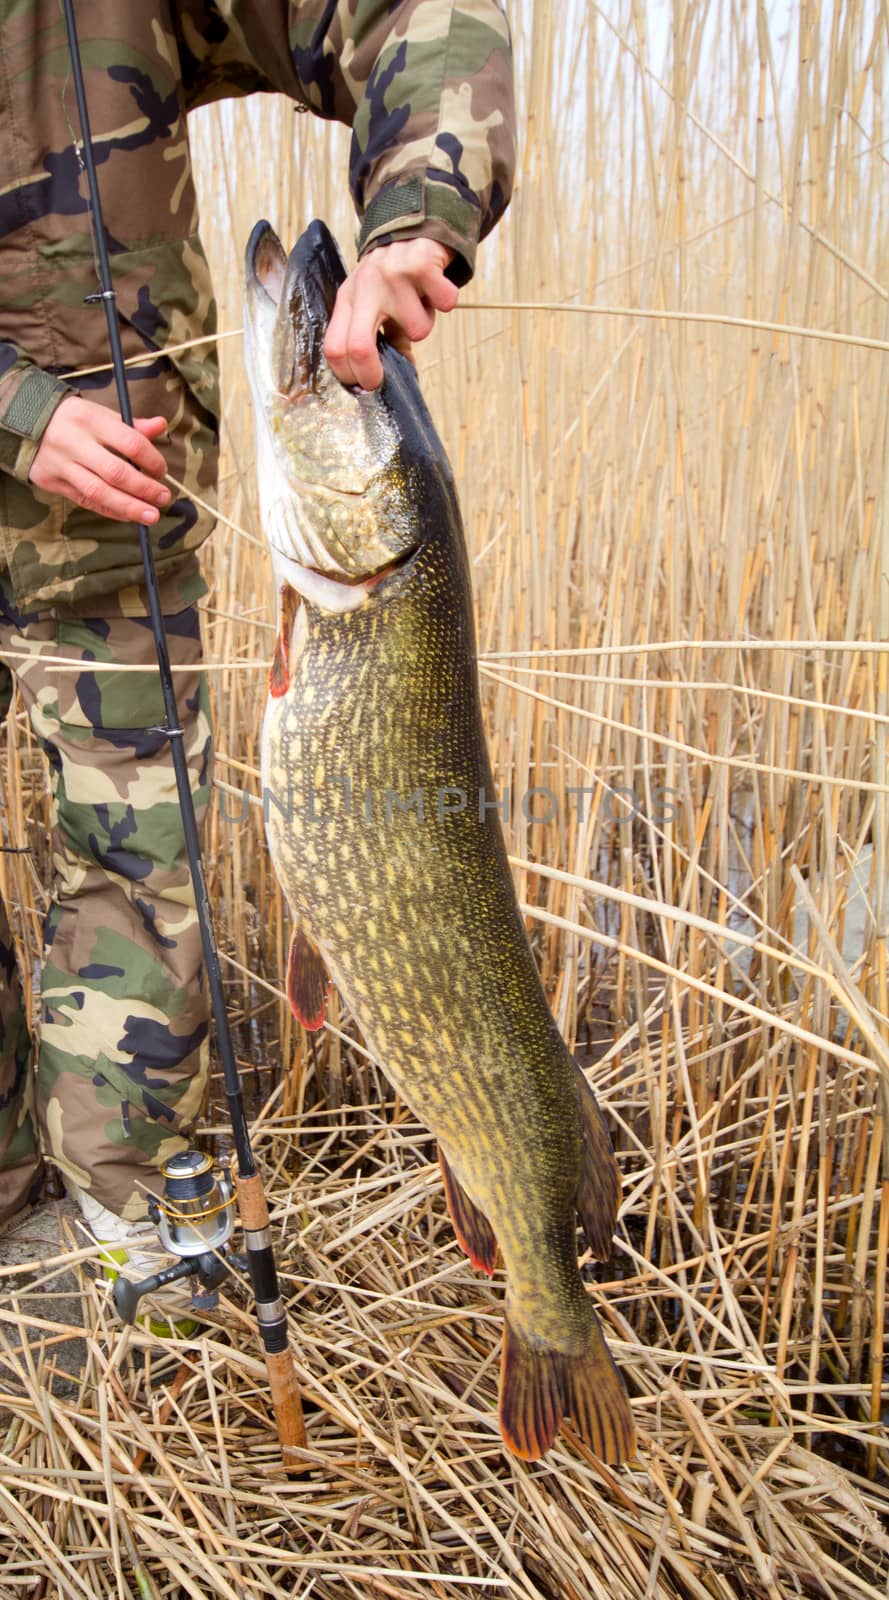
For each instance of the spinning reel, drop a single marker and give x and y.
(194, 1218)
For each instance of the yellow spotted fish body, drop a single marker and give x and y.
(384, 832)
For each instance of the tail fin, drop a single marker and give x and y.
(539, 1386)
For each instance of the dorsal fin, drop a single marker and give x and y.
(598, 1189)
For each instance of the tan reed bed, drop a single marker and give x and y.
(160, 1458)
(679, 535)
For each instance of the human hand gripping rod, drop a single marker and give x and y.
(270, 1311)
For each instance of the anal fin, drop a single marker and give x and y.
(474, 1232)
(307, 981)
(279, 676)
(598, 1189)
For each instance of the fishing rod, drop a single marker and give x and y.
(193, 1214)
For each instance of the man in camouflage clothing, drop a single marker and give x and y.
(426, 87)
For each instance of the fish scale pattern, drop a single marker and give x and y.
(384, 832)
(411, 903)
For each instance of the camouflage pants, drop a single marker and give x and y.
(123, 1053)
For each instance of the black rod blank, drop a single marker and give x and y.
(271, 1316)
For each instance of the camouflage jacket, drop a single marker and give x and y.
(426, 86)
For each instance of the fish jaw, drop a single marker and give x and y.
(337, 491)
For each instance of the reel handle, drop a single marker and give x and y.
(126, 1293)
(209, 1269)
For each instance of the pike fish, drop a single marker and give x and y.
(385, 835)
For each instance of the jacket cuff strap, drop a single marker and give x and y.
(421, 208)
(25, 417)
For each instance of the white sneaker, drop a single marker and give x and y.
(134, 1250)
(134, 1244)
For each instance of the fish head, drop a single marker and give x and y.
(339, 478)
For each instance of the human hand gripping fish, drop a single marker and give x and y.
(385, 837)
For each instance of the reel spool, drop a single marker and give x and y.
(196, 1211)
(194, 1219)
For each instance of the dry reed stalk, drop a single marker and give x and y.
(410, 1485)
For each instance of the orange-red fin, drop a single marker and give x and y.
(474, 1232)
(279, 676)
(598, 1189)
(539, 1386)
(307, 981)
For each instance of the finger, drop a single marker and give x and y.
(352, 353)
(397, 289)
(150, 427)
(336, 339)
(130, 444)
(408, 313)
(362, 355)
(118, 474)
(426, 271)
(440, 291)
(422, 263)
(94, 494)
(398, 309)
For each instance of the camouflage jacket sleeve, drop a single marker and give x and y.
(428, 89)
(425, 85)
(28, 398)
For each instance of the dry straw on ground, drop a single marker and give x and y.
(679, 535)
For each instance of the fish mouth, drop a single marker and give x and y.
(300, 292)
(338, 492)
(315, 272)
(266, 261)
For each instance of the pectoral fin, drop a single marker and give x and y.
(279, 676)
(598, 1190)
(307, 981)
(474, 1232)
